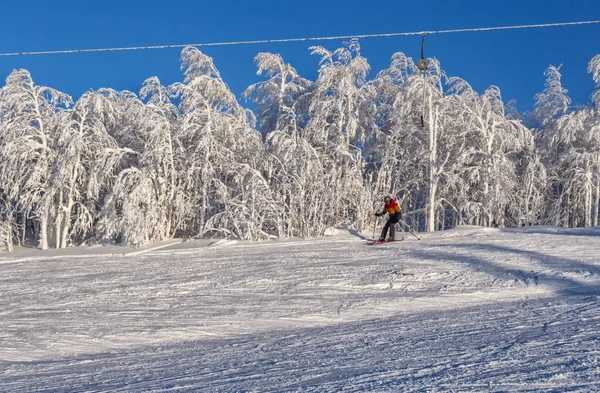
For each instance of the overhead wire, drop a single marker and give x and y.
(286, 40)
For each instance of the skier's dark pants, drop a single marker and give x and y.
(391, 225)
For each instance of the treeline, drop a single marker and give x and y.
(188, 159)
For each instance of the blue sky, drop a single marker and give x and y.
(513, 60)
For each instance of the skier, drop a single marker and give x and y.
(395, 214)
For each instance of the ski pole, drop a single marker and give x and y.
(374, 226)
(407, 227)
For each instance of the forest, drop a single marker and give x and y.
(189, 160)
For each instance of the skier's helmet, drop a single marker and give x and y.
(387, 199)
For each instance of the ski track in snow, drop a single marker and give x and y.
(470, 309)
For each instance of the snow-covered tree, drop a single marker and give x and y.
(119, 115)
(85, 164)
(6, 224)
(553, 102)
(292, 166)
(187, 159)
(339, 109)
(144, 204)
(28, 131)
(223, 152)
(275, 97)
(571, 149)
(528, 203)
(418, 139)
(340, 122)
(574, 150)
(162, 157)
(594, 69)
(495, 142)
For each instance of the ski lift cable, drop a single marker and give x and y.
(286, 40)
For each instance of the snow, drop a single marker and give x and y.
(470, 309)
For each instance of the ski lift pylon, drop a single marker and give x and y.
(423, 65)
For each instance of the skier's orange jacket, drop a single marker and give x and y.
(391, 207)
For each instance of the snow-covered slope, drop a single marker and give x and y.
(470, 309)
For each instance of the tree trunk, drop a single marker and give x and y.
(588, 199)
(44, 229)
(58, 223)
(595, 200)
(24, 229)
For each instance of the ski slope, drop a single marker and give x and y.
(466, 310)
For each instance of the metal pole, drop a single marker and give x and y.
(423, 65)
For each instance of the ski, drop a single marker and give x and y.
(378, 242)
